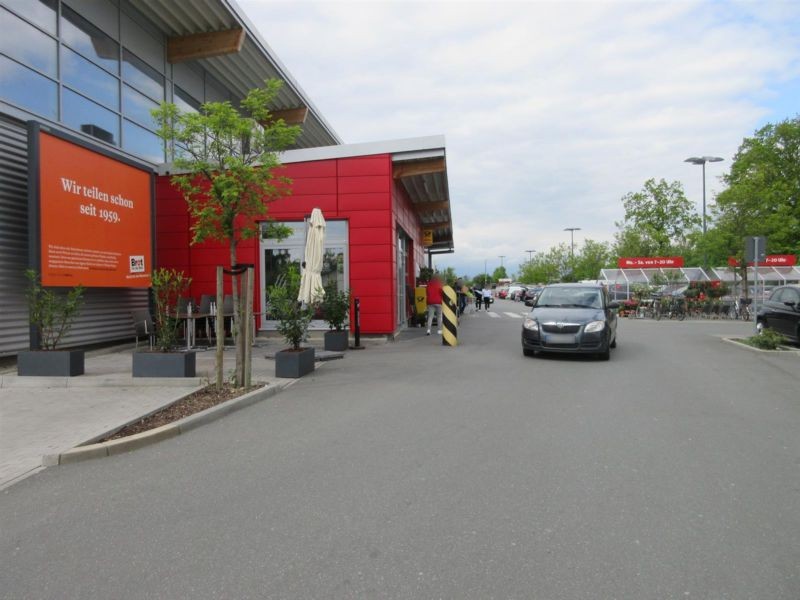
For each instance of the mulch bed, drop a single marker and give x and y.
(191, 404)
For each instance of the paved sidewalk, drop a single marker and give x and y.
(49, 415)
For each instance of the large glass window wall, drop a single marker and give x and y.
(106, 91)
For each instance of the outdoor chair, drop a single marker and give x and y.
(143, 326)
(204, 312)
(228, 313)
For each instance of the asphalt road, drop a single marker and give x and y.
(416, 471)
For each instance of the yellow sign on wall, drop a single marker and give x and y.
(427, 237)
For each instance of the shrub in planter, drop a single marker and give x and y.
(293, 319)
(52, 315)
(166, 361)
(335, 311)
(768, 339)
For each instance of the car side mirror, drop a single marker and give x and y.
(613, 305)
(794, 305)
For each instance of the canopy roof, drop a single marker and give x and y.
(202, 30)
(777, 275)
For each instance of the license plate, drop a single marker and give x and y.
(559, 338)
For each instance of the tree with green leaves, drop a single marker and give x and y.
(657, 219)
(226, 160)
(592, 257)
(499, 273)
(763, 194)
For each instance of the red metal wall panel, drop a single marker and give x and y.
(360, 190)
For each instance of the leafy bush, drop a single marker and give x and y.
(168, 286)
(768, 339)
(293, 318)
(336, 306)
(52, 314)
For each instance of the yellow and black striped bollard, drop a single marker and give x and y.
(449, 318)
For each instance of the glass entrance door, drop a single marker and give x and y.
(402, 258)
(277, 256)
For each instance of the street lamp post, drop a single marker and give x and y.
(702, 160)
(572, 231)
(530, 255)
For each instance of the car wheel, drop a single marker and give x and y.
(605, 355)
(614, 342)
(528, 352)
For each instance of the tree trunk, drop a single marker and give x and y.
(237, 309)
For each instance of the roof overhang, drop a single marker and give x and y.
(202, 31)
(418, 164)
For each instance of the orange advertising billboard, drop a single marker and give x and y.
(95, 216)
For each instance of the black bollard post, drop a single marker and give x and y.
(357, 316)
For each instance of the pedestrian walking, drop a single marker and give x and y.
(487, 297)
(434, 296)
(478, 298)
(461, 295)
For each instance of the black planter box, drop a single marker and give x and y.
(164, 364)
(291, 364)
(337, 341)
(50, 363)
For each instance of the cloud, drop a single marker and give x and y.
(552, 111)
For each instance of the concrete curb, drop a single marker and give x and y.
(88, 381)
(164, 432)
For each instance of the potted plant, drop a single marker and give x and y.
(293, 318)
(335, 311)
(165, 360)
(51, 315)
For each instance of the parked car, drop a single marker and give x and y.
(571, 317)
(513, 289)
(531, 294)
(781, 312)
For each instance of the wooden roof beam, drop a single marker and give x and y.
(290, 116)
(437, 226)
(181, 48)
(418, 167)
(431, 207)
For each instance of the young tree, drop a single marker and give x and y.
(226, 159)
(661, 214)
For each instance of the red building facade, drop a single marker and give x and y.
(382, 197)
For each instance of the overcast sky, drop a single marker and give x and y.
(552, 111)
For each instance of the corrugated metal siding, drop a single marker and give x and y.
(106, 312)
(13, 236)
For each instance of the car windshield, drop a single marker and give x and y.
(570, 298)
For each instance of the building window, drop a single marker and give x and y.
(138, 107)
(27, 89)
(27, 44)
(185, 102)
(80, 74)
(90, 118)
(87, 39)
(142, 76)
(42, 13)
(140, 141)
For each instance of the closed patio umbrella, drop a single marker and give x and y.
(311, 280)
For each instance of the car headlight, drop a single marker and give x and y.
(531, 324)
(595, 326)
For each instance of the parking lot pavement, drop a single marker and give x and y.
(49, 415)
